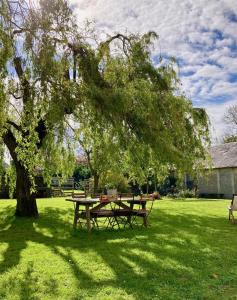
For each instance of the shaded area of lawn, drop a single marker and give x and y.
(189, 252)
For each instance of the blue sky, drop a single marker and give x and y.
(200, 34)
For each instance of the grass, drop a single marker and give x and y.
(189, 252)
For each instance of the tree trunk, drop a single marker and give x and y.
(96, 182)
(26, 201)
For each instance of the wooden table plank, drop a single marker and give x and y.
(83, 201)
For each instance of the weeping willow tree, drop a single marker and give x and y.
(51, 71)
(37, 91)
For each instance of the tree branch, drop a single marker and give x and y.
(17, 127)
(18, 67)
(25, 83)
(15, 109)
(42, 132)
(119, 36)
(10, 141)
(13, 95)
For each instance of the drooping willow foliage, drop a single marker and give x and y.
(50, 71)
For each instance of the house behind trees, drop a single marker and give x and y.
(221, 180)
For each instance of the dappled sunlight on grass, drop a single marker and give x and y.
(189, 252)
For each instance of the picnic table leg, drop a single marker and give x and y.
(129, 218)
(145, 223)
(232, 217)
(88, 218)
(76, 215)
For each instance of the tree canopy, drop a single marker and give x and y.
(52, 71)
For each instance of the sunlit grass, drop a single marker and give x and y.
(189, 252)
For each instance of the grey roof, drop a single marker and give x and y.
(224, 156)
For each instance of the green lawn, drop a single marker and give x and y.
(189, 252)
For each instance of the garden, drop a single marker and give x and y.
(101, 154)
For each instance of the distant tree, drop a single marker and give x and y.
(49, 71)
(104, 153)
(230, 139)
(231, 116)
(81, 172)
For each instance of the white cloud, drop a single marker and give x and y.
(210, 71)
(229, 63)
(225, 88)
(199, 33)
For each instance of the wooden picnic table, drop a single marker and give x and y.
(90, 208)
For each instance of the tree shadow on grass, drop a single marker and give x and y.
(174, 257)
(25, 286)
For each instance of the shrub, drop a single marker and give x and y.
(186, 194)
(182, 194)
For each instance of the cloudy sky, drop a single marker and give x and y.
(200, 34)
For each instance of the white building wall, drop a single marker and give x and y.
(219, 181)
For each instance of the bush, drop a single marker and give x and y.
(186, 194)
(81, 173)
(182, 194)
(112, 180)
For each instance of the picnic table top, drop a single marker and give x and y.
(83, 200)
(97, 200)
